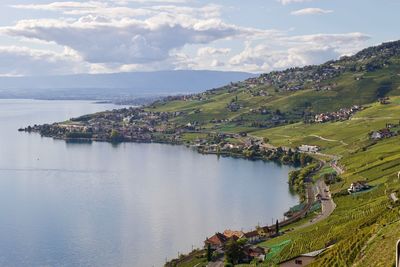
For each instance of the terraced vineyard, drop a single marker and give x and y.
(362, 222)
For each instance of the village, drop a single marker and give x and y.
(389, 131)
(124, 125)
(342, 115)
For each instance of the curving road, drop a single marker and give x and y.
(327, 204)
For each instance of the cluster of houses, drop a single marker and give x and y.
(381, 134)
(341, 115)
(358, 187)
(251, 251)
(261, 110)
(384, 100)
(221, 143)
(389, 131)
(295, 79)
(325, 87)
(234, 106)
(189, 97)
(218, 242)
(129, 124)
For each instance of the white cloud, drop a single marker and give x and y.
(25, 61)
(111, 36)
(311, 11)
(349, 39)
(126, 41)
(118, 9)
(286, 2)
(152, 1)
(211, 51)
(297, 51)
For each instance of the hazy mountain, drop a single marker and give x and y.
(117, 85)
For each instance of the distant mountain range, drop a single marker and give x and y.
(116, 85)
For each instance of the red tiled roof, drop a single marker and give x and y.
(218, 239)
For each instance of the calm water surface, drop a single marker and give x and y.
(128, 205)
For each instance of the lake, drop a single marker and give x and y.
(98, 204)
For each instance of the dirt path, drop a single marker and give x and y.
(328, 140)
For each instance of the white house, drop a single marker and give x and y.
(357, 187)
(308, 148)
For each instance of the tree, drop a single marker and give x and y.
(209, 252)
(234, 251)
(277, 227)
(115, 136)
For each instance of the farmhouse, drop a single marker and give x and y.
(302, 260)
(383, 133)
(253, 236)
(255, 252)
(358, 186)
(308, 149)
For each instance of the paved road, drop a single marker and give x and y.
(327, 203)
(216, 264)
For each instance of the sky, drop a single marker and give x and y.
(102, 36)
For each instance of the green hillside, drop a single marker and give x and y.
(293, 95)
(365, 226)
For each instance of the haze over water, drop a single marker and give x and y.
(99, 204)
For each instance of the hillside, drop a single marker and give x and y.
(296, 94)
(372, 216)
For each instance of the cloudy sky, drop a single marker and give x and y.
(100, 36)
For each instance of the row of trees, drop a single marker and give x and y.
(279, 155)
(297, 178)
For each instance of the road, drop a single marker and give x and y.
(327, 204)
(219, 263)
(310, 198)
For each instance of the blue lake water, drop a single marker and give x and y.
(99, 204)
